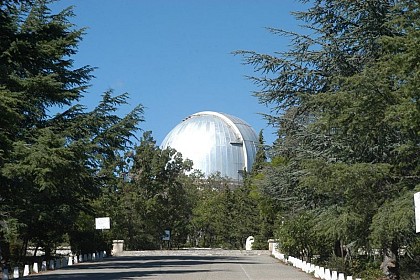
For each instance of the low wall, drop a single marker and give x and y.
(318, 271)
(194, 252)
(35, 268)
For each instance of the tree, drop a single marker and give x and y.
(154, 198)
(51, 166)
(345, 100)
(261, 155)
(214, 219)
(249, 218)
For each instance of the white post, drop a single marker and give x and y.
(349, 278)
(35, 268)
(16, 273)
(417, 210)
(312, 268)
(303, 266)
(327, 274)
(334, 275)
(5, 274)
(26, 270)
(321, 272)
(70, 261)
(316, 274)
(308, 268)
(282, 257)
(44, 266)
(341, 276)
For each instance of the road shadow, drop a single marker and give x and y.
(139, 267)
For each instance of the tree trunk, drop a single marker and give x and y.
(22, 253)
(36, 250)
(4, 253)
(339, 249)
(390, 264)
(48, 252)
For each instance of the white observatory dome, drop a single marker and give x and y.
(215, 142)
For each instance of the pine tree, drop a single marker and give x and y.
(52, 166)
(261, 156)
(346, 95)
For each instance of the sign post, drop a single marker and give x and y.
(102, 223)
(417, 210)
(167, 237)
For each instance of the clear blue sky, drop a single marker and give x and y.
(174, 56)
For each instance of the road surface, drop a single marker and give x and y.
(174, 265)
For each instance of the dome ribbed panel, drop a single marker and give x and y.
(215, 142)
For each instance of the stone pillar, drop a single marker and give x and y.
(272, 245)
(117, 246)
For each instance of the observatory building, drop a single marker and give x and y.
(215, 142)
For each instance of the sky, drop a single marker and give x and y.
(175, 56)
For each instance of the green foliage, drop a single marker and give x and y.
(51, 167)
(345, 101)
(297, 235)
(394, 222)
(261, 156)
(212, 220)
(84, 238)
(153, 199)
(9, 229)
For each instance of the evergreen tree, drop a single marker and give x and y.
(51, 166)
(348, 145)
(261, 156)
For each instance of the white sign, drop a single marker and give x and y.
(102, 223)
(417, 210)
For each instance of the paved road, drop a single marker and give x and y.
(208, 265)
